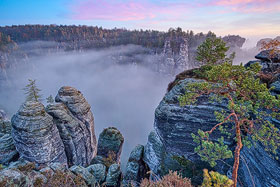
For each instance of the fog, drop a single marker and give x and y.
(124, 96)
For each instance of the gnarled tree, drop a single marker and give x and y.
(250, 104)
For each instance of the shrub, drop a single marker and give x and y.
(173, 179)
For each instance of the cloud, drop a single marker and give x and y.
(125, 10)
(249, 6)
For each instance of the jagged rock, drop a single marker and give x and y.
(114, 175)
(265, 56)
(79, 109)
(110, 142)
(11, 177)
(84, 173)
(74, 134)
(98, 171)
(174, 125)
(136, 168)
(8, 150)
(35, 136)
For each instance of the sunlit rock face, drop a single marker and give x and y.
(172, 136)
(35, 135)
(74, 119)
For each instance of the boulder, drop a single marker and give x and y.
(84, 173)
(98, 171)
(110, 144)
(114, 175)
(78, 117)
(35, 135)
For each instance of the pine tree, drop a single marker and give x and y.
(32, 92)
(50, 99)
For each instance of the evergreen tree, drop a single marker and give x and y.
(213, 51)
(250, 105)
(32, 92)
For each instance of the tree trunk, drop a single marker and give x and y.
(237, 154)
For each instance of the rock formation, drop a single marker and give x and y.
(174, 125)
(110, 144)
(75, 122)
(73, 134)
(136, 168)
(36, 136)
(113, 175)
(8, 150)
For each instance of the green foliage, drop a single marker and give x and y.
(50, 99)
(32, 92)
(213, 51)
(215, 179)
(211, 151)
(191, 170)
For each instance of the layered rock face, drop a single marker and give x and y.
(174, 125)
(35, 135)
(73, 134)
(8, 150)
(75, 123)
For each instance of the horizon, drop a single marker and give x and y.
(252, 19)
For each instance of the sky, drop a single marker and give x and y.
(249, 18)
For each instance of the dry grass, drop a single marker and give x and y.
(173, 179)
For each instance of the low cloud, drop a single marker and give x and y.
(124, 96)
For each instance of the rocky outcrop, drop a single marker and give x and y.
(11, 177)
(113, 177)
(110, 144)
(35, 135)
(76, 125)
(98, 171)
(74, 134)
(174, 125)
(84, 173)
(8, 150)
(136, 168)
(267, 57)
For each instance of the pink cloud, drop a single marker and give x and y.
(123, 11)
(249, 6)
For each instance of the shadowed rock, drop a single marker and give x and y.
(8, 150)
(98, 171)
(136, 168)
(36, 136)
(110, 142)
(76, 125)
(113, 175)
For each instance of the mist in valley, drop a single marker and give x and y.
(120, 83)
(121, 95)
